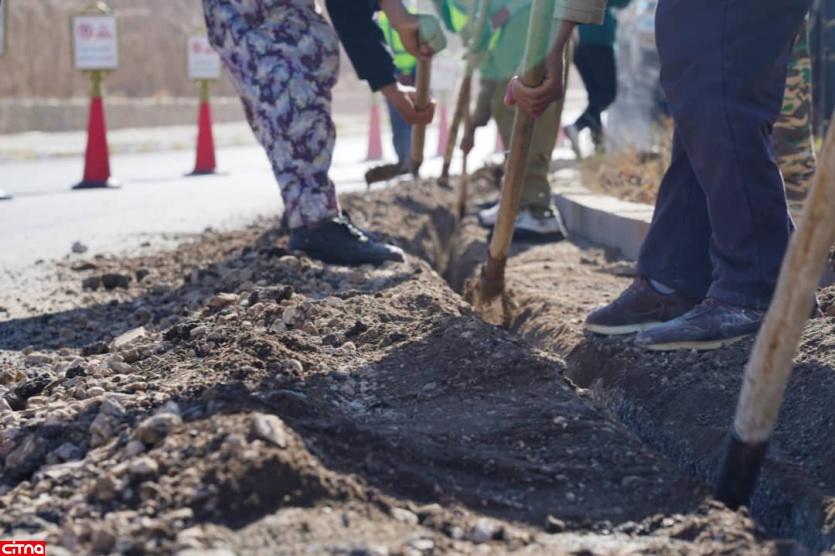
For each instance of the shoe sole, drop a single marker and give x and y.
(619, 330)
(524, 236)
(536, 237)
(698, 346)
(342, 262)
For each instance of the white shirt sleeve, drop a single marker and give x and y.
(581, 11)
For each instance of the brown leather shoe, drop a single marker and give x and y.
(639, 307)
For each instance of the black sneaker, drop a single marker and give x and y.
(710, 325)
(337, 241)
(639, 307)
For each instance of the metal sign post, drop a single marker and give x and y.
(4, 27)
(95, 51)
(4, 38)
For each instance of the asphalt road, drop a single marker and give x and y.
(156, 201)
(157, 206)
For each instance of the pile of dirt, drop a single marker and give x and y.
(230, 395)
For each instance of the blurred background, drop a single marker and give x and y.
(40, 91)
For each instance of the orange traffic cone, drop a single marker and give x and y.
(97, 157)
(205, 162)
(375, 141)
(443, 132)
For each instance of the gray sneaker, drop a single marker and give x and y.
(638, 308)
(710, 325)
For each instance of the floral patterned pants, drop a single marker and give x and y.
(283, 58)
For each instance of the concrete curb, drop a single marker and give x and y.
(611, 222)
(601, 219)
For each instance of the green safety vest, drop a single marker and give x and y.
(403, 61)
(454, 14)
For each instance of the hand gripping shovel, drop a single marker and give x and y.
(770, 365)
(492, 279)
(462, 105)
(423, 80)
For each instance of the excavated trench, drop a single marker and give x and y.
(678, 404)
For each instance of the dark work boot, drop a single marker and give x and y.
(710, 325)
(639, 307)
(337, 241)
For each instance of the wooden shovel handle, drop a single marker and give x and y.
(520, 144)
(770, 364)
(462, 105)
(476, 29)
(769, 368)
(423, 81)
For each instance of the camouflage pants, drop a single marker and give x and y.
(283, 58)
(793, 140)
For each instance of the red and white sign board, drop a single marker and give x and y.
(95, 42)
(445, 72)
(4, 20)
(203, 61)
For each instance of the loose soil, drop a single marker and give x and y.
(681, 404)
(232, 396)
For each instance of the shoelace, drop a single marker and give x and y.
(710, 303)
(346, 224)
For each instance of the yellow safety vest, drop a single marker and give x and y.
(403, 61)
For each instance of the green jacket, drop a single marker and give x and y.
(504, 37)
(603, 35)
(506, 49)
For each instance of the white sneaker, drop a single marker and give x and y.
(573, 135)
(527, 226)
(489, 216)
(546, 228)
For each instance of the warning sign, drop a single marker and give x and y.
(4, 20)
(203, 61)
(95, 42)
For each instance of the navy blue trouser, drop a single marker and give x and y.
(598, 69)
(401, 135)
(721, 224)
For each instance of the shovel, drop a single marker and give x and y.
(491, 282)
(422, 101)
(462, 105)
(770, 365)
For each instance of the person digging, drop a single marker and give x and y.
(710, 261)
(401, 131)
(283, 58)
(504, 45)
